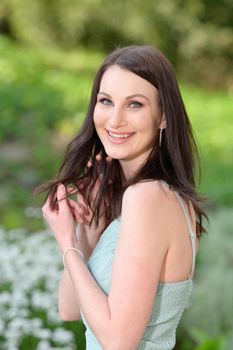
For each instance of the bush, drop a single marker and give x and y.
(196, 36)
(42, 99)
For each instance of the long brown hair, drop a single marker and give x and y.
(174, 162)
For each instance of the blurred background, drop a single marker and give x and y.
(49, 52)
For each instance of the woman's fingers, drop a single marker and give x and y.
(71, 190)
(61, 198)
(46, 209)
(81, 205)
(77, 218)
(79, 211)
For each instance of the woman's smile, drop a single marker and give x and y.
(119, 138)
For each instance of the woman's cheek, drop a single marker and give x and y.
(99, 119)
(97, 116)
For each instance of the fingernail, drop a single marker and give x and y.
(98, 157)
(89, 164)
(109, 159)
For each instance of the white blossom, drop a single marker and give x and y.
(30, 268)
(62, 336)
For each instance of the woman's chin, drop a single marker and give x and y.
(114, 155)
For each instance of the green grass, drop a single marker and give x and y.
(43, 99)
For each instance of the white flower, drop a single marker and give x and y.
(29, 275)
(44, 334)
(62, 336)
(2, 326)
(43, 345)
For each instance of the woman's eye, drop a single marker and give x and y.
(106, 101)
(135, 105)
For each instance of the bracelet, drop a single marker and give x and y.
(71, 248)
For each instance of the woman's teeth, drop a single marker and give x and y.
(119, 135)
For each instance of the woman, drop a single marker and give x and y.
(128, 266)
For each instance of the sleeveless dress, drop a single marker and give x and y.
(170, 301)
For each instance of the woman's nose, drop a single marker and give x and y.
(117, 118)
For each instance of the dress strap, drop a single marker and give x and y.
(192, 234)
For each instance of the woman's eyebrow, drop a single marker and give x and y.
(103, 93)
(137, 95)
(128, 97)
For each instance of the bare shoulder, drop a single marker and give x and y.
(149, 207)
(152, 214)
(152, 206)
(147, 194)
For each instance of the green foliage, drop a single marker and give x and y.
(201, 341)
(36, 85)
(211, 114)
(28, 342)
(196, 36)
(43, 99)
(206, 343)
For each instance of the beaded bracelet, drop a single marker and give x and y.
(71, 248)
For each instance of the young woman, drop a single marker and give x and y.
(129, 263)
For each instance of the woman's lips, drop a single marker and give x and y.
(119, 137)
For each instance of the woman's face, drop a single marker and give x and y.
(127, 116)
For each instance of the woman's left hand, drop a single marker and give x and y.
(61, 221)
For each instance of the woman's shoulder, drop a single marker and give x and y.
(144, 216)
(154, 190)
(149, 197)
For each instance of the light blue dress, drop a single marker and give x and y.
(170, 301)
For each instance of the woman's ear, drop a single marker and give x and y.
(163, 123)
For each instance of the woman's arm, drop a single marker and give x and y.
(87, 238)
(143, 243)
(68, 306)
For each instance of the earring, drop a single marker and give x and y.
(160, 137)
